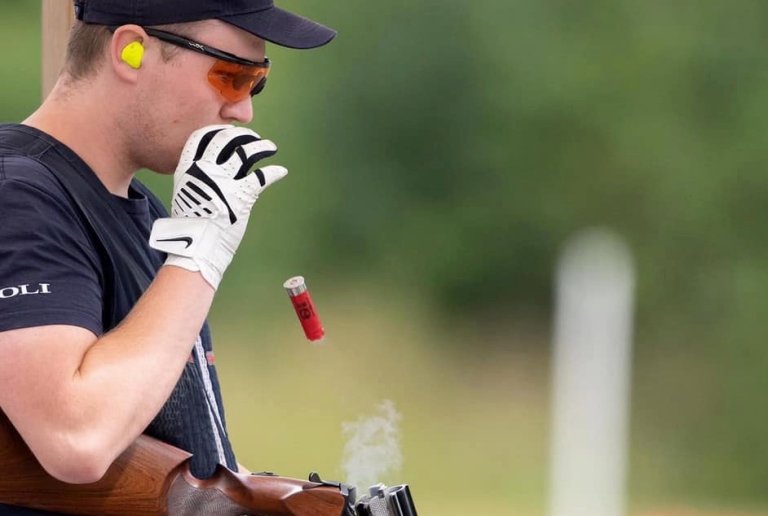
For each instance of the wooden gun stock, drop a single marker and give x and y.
(153, 478)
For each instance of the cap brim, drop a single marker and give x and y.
(283, 28)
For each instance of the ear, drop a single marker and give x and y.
(126, 51)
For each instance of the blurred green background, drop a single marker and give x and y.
(441, 152)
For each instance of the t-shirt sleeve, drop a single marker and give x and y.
(49, 268)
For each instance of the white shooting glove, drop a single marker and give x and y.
(213, 192)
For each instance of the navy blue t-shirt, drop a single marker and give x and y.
(52, 272)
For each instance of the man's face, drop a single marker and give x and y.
(177, 98)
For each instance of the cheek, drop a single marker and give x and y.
(194, 108)
(178, 109)
(181, 122)
(188, 98)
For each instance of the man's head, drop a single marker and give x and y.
(173, 66)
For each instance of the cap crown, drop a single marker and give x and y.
(158, 12)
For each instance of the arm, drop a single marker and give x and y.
(80, 401)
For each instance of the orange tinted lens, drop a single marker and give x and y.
(235, 81)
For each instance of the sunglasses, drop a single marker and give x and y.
(233, 77)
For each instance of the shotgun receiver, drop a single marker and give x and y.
(386, 501)
(153, 478)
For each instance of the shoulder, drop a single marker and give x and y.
(52, 268)
(36, 209)
(27, 174)
(33, 158)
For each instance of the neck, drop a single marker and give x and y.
(84, 123)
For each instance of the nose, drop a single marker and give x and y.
(240, 111)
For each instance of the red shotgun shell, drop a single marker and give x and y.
(305, 308)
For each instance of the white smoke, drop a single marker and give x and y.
(372, 447)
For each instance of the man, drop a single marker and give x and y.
(103, 296)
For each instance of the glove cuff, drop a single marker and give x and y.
(192, 244)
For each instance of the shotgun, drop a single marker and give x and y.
(153, 478)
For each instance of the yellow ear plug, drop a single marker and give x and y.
(132, 54)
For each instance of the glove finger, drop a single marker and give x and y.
(253, 152)
(223, 145)
(198, 141)
(265, 176)
(236, 145)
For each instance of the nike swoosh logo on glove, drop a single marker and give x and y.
(187, 240)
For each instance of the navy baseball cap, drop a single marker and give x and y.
(259, 17)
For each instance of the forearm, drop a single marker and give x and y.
(127, 375)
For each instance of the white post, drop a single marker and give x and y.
(591, 376)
